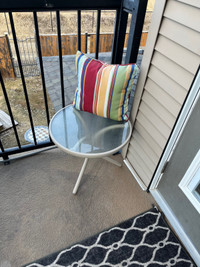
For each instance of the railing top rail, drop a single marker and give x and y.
(50, 5)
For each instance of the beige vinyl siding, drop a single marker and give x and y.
(139, 166)
(159, 109)
(175, 52)
(172, 67)
(183, 14)
(176, 72)
(150, 128)
(174, 31)
(156, 121)
(162, 97)
(150, 166)
(141, 129)
(174, 89)
(195, 3)
(145, 146)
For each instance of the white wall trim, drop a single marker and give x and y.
(188, 107)
(190, 180)
(176, 226)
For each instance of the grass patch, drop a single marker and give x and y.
(19, 108)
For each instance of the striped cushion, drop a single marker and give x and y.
(103, 89)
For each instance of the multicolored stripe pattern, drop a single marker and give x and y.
(103, 89)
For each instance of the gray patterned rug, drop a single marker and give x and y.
(143, 241)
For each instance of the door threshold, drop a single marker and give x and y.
(176, 225)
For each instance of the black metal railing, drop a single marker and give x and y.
(136, 8)
(41, 66)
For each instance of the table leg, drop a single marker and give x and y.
(113, 161)
(80, 176)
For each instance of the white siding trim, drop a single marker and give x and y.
(176, 225)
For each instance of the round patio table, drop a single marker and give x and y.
(86, 135)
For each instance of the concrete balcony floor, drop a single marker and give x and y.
(40, 215)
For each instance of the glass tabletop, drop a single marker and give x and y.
(87, 135)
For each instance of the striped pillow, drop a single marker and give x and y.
(103, 89)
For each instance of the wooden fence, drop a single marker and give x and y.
(6, 64)
(105, 41)
(49, 47)
(49, 43)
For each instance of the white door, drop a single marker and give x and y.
(178, 191)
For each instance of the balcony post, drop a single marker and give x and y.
(119, 37)
(138, 10)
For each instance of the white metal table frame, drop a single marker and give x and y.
(86, 156)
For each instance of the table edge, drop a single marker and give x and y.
(91, 155)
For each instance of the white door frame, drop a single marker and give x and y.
(193, 96)
(188, 107)
(190, 180)
(176, 226)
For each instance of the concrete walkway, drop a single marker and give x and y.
(52, 77)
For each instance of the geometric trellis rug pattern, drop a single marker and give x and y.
(143, 241)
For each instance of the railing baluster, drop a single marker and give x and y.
(41, 65)
(4, 156)
(120, 38)
(60, 57)
(79, 29)
(9, 110)
(114, 42)
(86, 42)
(10, 53)
(22, 76)
(98, 33)
(6, 22)
(1, 146)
